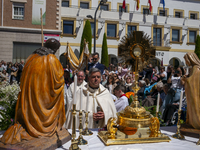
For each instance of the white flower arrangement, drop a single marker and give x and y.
(8, 99)
(9, 92)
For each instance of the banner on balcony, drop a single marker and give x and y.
(36, 15)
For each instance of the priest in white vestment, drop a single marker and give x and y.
(99, 97)
(122, 100)
(80, 83)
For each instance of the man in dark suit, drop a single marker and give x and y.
(95, 63)
(20, 66)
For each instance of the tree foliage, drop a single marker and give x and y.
(104, 53)
(87, 35)
(197, 46)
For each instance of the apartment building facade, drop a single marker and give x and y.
(173, 29)
(20, 26)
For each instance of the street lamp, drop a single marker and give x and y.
(102, 2)
(89, 16)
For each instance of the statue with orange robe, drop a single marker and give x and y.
(40, 107)
(192, 90)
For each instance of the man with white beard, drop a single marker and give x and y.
(70, 91)
(100, 104)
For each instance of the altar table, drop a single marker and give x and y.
(94, 143)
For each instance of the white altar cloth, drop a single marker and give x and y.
(94, 143)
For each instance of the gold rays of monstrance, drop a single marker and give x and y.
(136, 48)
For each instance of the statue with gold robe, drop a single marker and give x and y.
(40, 107)
(192, 90)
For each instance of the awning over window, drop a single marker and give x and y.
(20, 1)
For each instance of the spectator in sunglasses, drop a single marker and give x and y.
(95, 63)
(116, 79)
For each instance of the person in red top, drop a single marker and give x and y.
(122, 101)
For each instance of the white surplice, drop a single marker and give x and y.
(69, 92)
(121, 103)
(97, 97)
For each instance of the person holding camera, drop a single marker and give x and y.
(162, 75)
(176, 83)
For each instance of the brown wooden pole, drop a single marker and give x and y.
(42, 27)
(68, 57)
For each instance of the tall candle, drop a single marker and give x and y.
(87, 105)
(180, 102)
(75, 86)
(81, 98)
(158, 101)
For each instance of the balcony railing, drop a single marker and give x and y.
(134, 12)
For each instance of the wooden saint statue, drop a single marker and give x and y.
(40, 107)
(192, 90)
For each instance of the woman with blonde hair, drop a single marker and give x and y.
(123, 72)
(110, 85)
(128, 83)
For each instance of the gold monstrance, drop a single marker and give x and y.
(134, 123)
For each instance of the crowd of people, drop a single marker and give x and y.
(119, 80)
(11, 71)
